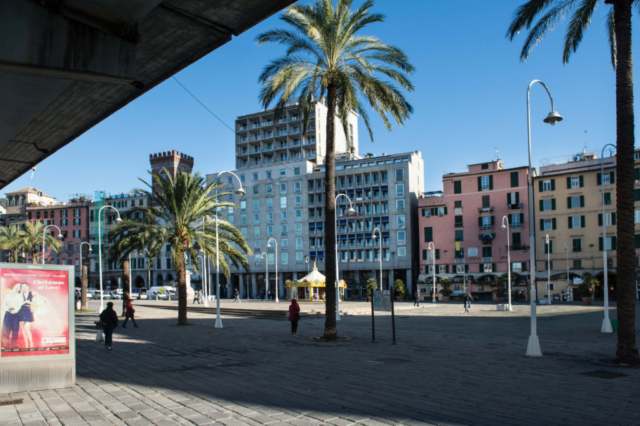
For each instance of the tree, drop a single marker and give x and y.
(618, 26)
(325, 59)
(31, 240)
(126, 284)
(11, 238)
(175, 216)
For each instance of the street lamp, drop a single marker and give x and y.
(351, 210)
(83, 297)
(44, 234)
(307, 261)
(100, 250)
(374, 237)
(205, 265)
(239, 192)
(606, 322)
(204, 274)
(548, 244)
(275, 244)
(533, 345)
(566, 248)
(505, 226)
(266, 267)
(432, 248)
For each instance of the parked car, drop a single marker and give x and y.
(114, 295)
(139, 293)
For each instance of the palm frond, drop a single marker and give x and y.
(579, 23)
(525, 15)
(545, 25)
(611, 36)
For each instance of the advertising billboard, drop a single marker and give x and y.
(34, 311)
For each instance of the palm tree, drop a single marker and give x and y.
(618, 26)
(32, 239)
(325, 58)
(11, 240)
(175, 216)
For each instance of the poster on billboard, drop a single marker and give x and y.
(34, 311)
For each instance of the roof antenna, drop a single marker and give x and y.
(33, 171)
(496, 151)
(585, 141)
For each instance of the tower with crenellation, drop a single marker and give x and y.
(170, 162)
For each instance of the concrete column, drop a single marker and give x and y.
(254, 285)
(281, 293)
(242, 288)
(409, 282)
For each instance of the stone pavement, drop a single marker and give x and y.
(446, 368)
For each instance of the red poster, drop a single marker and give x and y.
(34, 309)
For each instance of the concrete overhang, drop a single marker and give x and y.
(66, 65)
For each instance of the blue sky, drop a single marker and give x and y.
(470, 99)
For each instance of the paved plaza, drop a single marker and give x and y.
(446, 368)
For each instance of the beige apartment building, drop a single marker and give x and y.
(568, 208)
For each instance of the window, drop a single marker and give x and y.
(486, 201)
(232, 220)
(547, 224)
(575, 182)
(296, 171)
(243, 219)
(402, 238)
(298, 229)
(298, 200)
(607, 198)
(269, 189)
(298, 213)
(256, 232)
(485, 166)
(551, 286)
(577, 245)
(577, 264)
(611, 243)
(459, 235)
(400, 221)
(516, 239)
(515, 220)
(636, 217)
(283, 202)
(256, 191)
(285, 244)
(547, 205)
(271, 257)
(298, 243)
(268, 175)
(256, 205)
(485, 183)
(457, 187)
(243, 206)
(284, 230)
(256, 244)
(283, 188)
(576, 222)
(270, 231)
(487, 253)
(575, 202)
(283, 216)
(402, 252)
(297, 186)
(547, 185)
(513, 198)
(548, 247)
(400, 190)
(399, 175)
(399, 205)
(609, 219)
(256, 218)
(607, 178)
(299, 256)
(428, 234)
(283, 172)
(255, 177)
(514, 180)
(516, 267)
(442, 269)
(488, 267)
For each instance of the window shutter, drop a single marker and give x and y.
(479, 221)
(636, 195)
(581, 181)
(493, 220)
(568, 183)
(508, 219)
(424, 254)
(540, 185)
(600, 244)
(599, 178)
(434, 211)
(446, 268)
(612, 177)
(613, 218)
(493, 266)
(553, 204)
(583, 221)
(637, 237)
(490, 181)
(553, 223)
(553, 184)
(524, 266)
(445, 210)
(479, 183)
(514, 180)
(521, 218)
(517, 197)
(466, 268)
(428, 234)
(614, 243)
(600, 219)
(541, 206)
(570, 222)
(508, 198)
(636, 173)
(542, 224)
(582, 201)
(569, 202)
(437, 254)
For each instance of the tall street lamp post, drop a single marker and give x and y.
(100, 250)
(566, 248)
(44, 234)
(533, 345)
(606, 322)
(548, 245)
(505, 225)
(266, 272)
(351, 210)
(83, 297)
(239, 192)
(275, 245)
(374, 237)
(432, 248)
(205, 267)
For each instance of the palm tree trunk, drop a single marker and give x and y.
(126, 285)
(330, 326)
(182, 290)
(627, 351)
(83, 287)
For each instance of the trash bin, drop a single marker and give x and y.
(614, 324)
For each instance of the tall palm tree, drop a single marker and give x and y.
(618, 27)
(326, 58)
(11, 240)
(175, 216)
(32, 239)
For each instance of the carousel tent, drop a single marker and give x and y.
(312, 287)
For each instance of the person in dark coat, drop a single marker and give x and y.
(417, 298)
(294, 316)
(129, 314)
(467, 302)
(109, 320)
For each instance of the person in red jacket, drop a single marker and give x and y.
(294, 316)
(129, 314)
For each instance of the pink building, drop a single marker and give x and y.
(464, 223)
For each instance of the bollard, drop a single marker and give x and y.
(393, 317)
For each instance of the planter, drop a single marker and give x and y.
(499, 299)
(587, 300)
(445, 299)
(368, 298)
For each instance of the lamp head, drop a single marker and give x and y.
(503, 227)
(59, 236)
(118, 220)
(241, 192)
(553, 118)
(90, 250)
(351, 210)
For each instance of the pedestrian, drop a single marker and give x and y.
(417, 301)
(129, 314)
(109, 320)
(294, 316)
(236, 296)
(196, 297)
(467, 302)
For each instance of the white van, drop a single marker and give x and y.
(160, 293)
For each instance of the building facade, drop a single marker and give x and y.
(464, 224)
(286, 202)
(17, 202)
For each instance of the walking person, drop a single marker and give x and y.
(294, 316)
(236, 296)
(417, 298)
(467, 302)
(129, 314)
(196, 297)
(109, 320)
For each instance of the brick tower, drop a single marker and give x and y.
(171, 161)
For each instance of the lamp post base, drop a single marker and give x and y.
(533, 347)
(606, 326)
(218, 322)
(206, 303)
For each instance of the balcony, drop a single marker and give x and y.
(485, 210)
(487, 259)
(486, 227)
(458, 225)
(517, 206)
(519, 247)
(459, 259)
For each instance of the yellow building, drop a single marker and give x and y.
(568, 208)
